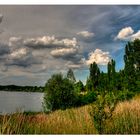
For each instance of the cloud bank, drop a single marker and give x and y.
(61, 37)
(49, 42)
(65, 49)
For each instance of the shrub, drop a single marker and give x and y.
(59, 93)
(89, 97)
(125, 95)
(79, 87)
(102, 110)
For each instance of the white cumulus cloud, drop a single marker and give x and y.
(85, 34)
(125, 33)
(136, 35)
(98, 56)
(63, 52)
(19, 53)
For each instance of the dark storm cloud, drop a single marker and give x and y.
(73, 57)
(1, 17)
(4, 49)
(26, 62)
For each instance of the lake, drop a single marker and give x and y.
(11, 102)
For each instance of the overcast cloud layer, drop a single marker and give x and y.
(37, 41)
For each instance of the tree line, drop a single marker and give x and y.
(63, 91)
(22, 88)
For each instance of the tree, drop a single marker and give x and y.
(103, 80)
(79, 87)
(111, 75)
(94, 76)
(89, 85)
(59, 93)
(132, 64)
(70, 75)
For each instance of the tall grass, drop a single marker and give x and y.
(70, 121)
(12, 124)
(125, 120)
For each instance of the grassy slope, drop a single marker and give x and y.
(126, 120)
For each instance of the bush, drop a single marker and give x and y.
(103, 110)
(79, 87)
(88, 98)
(125, 95)
(59, 93)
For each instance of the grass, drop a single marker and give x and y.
(125, 120)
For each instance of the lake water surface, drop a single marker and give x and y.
(11, 102)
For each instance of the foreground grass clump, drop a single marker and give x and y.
(125, 120)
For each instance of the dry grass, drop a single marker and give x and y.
(126, 120)
(70, 121)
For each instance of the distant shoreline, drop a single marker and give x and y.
(21, 88)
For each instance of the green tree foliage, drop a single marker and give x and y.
(70, 75)
(94, 76)
(59, 93)
(132, 65)
(103, 82)
(120, 82)
(88, 98)
(103, 110)
(111, 75)
(89, 85)
(79, 87)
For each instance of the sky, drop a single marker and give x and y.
(38, 41)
